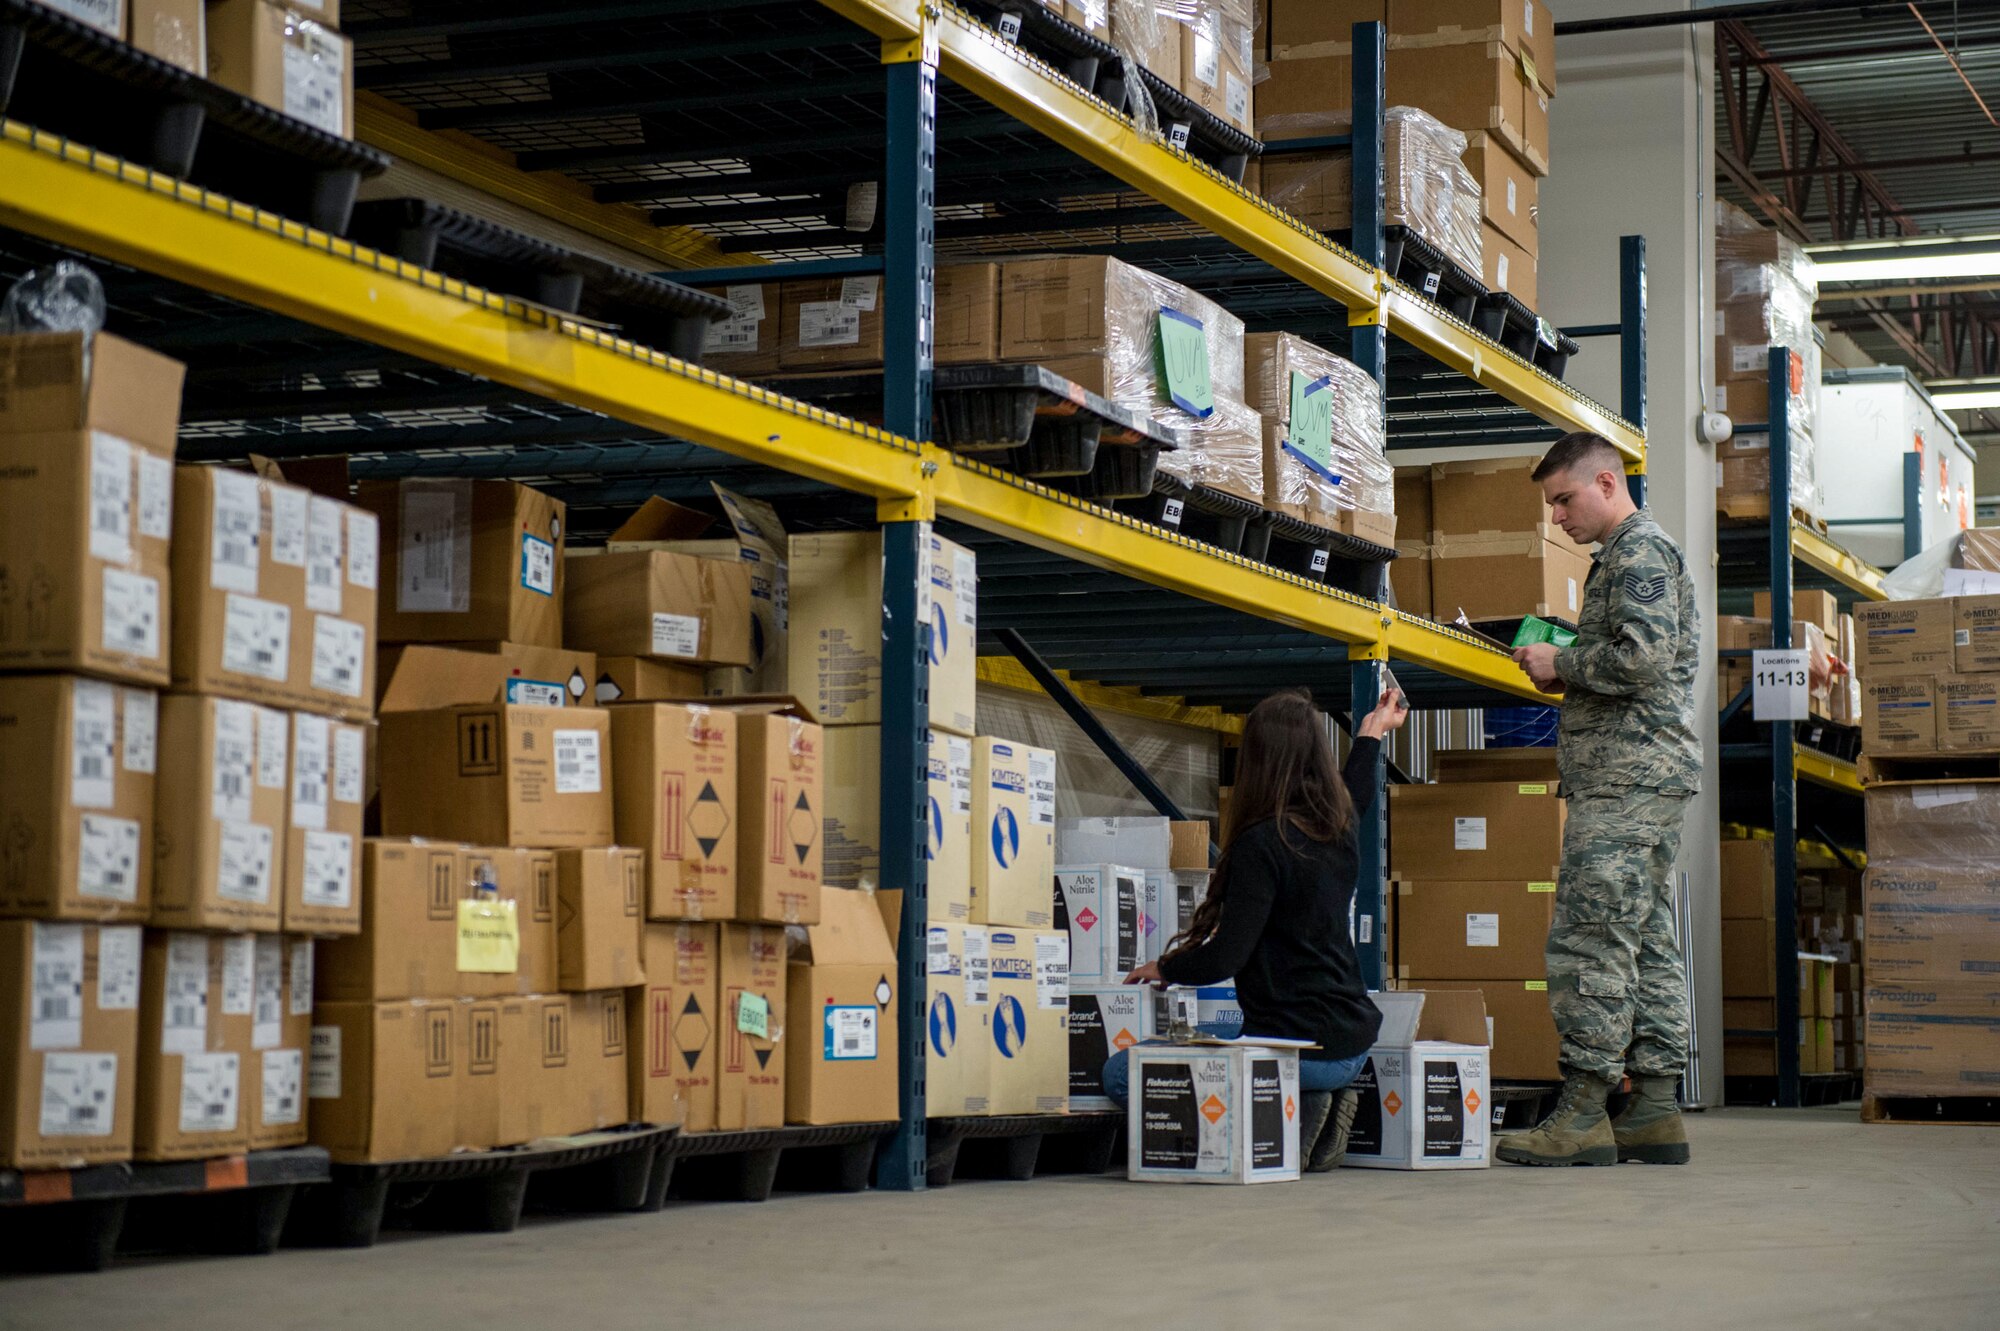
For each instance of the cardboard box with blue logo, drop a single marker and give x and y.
(1029, 1071)
(958, 1011)
(841, 1059)
(1013, 830)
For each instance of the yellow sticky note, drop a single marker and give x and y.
(1541, 887)
(489, 937)
(1536, 986)
(1535, 788)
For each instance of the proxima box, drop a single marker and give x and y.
(1475, 831)
(1013, 830)
(1426, 1087)
(1213, 1112)
(1102, 904)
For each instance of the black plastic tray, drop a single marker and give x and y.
(1415, 262)
(1502, 317)
(68, 78)
(1038, 424)
(1225, 521)
(1313, 552)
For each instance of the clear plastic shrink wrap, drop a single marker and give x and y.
(1765, 289)
(1354, 474)
(1426, 185)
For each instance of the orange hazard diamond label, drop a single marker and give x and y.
(1124, 1040)
(1213, 1109)
(1393, 1103)
(1289, 1107)
(1472, 1101)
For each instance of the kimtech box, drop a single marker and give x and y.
(1426, 1089)
(1029, 1072)
(958, 1058)
(1102, 904)
(1213, 1113)
(1013, 829)
(1101, 1023)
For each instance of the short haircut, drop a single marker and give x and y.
(1580, 452)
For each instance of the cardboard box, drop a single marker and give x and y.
(1492, 497)
(1975, 634)
(491, 1060)
(854, 816)
(1189, 846)
(69, 1038)
(1898, 639)
(333, 641)
(656, 603)
(1102, 906)
(958, 1060)
(674, 1025)
(548, 1101)
(418, 677)
(780, 824)
(288, 59)
(196, 1012)
(1899, 715)
(1522, 766)
(600, 918)
(1170, 901)
(1510, 195)
(1472, 931)
(831, 323)
(1749, 881)
(1029, 1069)
(1923, 823)
(1507, 577)
(240, 625)
(1526, 1046)
(1510, 265)
(1136, 26)
(1410, 579)
(1813, 606)
(498, 775)
(77, 760)
(750, 1081)
(1213, 1114)
(1013, 828)
(1932, 926)
(173, 30)
(1426, 1089)
(384, 1079)
(842, 1057)
(408, 944)
(470, 561)
(745, 343)
(965, 328)
(274, 1075)
(1475, 832)
(675, 776)
(642, 679)
(527, 878)
(1968, 712)
(1093, 16)
(1749, 958)
(1101, 1023)
(107, 18)
(1216, 59)
(599, 1083)
(1528, 28)
(1139, 843)
(322, 861)
(1932, 1039)
(836, 620)
(86, 505)
(222, 814)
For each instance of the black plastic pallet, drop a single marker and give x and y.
(642, 308)
(1021, 1146)
(1515, 1105)
(1036, 423)
(748, 1166)
(1959, 1110)
(79, 1219)
(67, 78)
(1815, 1089)
(480, 1191)
(1502, 317)
(1317, 554)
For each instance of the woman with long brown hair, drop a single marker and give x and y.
(1278, 914)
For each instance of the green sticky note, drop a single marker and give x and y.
(1534, 630)
(1184, 363)
(753, 1015)
(1311, 429)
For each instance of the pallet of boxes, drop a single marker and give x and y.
(1930, 675)
(1489, 550)
(1829, 1036)
(1765, 289)
(186, 754)
(1821, 629)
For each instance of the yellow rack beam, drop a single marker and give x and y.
(1007, 673)
(975, 58)
(1817, 551)
(1820, 769)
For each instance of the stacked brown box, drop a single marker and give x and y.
(469, 561)
(674, 1027)
(818, 324)
(1929, 676)
(1497, 554)
(196, 1018)
(750, 1073)
(287, 56)
(69, 1040)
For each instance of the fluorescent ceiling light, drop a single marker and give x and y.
(1969, 399)
(1911, 267)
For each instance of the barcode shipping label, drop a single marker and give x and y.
(289, 526)
(937, 951)
(965, 587)
(338, 645)
(257, 638)
(677, 635)
(850, 1033)
(79, 1094)
(239, 975)
(233, 531)
(273, 743)
(118, 947)
(131, 621)
(156, 496)
(347, 764)
(364, 549)
(1051, 971)
(232, 761)
(142, 730)
(284, 1100)
(577, 766)
(208, 1092)
(829, 323)
(55, 987)
(538, 565)
(434, 547)
(323, 1072)
(184, 1014)
(315, 78)
(110, 498)
(301, 1001)
(104, 15)
(325, 572)
(1042, 789)
(107, 858)
(978, 966)
(860, 293)
(93, 744)
(311, 743)
(746, 301)
(329, 870)
(267, 1016)
(243, 863)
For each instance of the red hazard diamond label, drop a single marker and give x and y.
(1392, 1102)
(1213, 1109)
(1472, 1101)
(1124, 1040)
(1086, 918)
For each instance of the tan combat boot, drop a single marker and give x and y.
(1578, 1132)
(1649, 1129)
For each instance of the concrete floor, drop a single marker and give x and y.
(1787, 1218)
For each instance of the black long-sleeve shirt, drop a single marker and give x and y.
(1285, 936)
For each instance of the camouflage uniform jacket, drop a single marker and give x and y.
(1628, 705)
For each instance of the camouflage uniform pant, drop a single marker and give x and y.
(1616, 979)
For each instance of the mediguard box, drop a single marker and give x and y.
(1215, 1112)
(1102, 904)
(1029, 1039)
(1102, 1022)
(1013, 828)
(1426, 1087)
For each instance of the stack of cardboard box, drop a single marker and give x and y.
(1410, 574)
(1929, 676)
(287, 54)
(1323, 437)
(1483, 67)
(1205, 49)
(1473, 862)
(1766, 287)
(1829, 1036)
(1496, 553)
(835, 324)
(1821, 629)
(225, 814)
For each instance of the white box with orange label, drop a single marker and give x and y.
(1426, 1088)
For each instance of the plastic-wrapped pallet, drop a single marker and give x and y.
(1426, 186)
(1126, 333)
(1332, 480)
(1765, 287)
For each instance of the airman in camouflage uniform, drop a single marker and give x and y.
(1630, 760)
